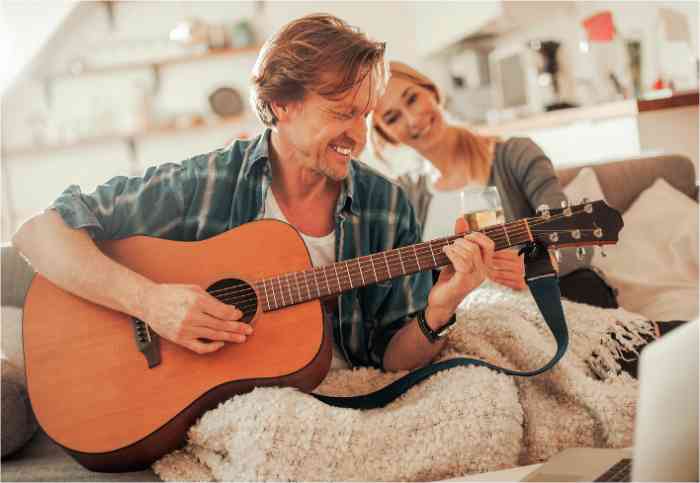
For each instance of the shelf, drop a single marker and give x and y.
(129, 137)
(157, 64)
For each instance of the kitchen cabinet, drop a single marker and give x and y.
(439, 24)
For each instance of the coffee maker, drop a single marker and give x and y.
(548, 74)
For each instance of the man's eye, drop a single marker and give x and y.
(344, 115)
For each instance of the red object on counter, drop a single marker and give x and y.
(600, 27)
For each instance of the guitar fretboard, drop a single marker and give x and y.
(319, 282)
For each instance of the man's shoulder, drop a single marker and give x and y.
(232, 154)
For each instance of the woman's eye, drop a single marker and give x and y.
(391, 119)
(411, 99)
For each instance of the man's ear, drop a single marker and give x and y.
(281, 111)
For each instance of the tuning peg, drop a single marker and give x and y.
(565, 204)
(576, 234)
(567, 208)
(543, 210)
(580, 253)
(554, 237)
(584, 200)
(598, 233)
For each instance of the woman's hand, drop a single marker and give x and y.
(508, 269)
(471, 258)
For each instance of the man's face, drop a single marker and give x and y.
(324, 134)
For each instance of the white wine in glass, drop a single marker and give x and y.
(481, 207)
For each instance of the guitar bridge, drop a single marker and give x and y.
(147, 342)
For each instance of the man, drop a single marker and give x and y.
(314, 83)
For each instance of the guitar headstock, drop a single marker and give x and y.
(589, 223)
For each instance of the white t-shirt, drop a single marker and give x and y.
(322, 251)
(444, 209)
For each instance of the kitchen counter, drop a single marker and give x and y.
(610, 110)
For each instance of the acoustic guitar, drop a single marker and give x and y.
(117, 397)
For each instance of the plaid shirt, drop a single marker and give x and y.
(211, 193)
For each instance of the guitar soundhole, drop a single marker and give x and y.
(236, 292)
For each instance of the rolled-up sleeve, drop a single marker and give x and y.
(151, 205)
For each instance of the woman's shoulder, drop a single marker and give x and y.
(518, 149)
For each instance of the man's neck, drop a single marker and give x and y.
(292, 181)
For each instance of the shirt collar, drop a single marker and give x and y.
(259, 153)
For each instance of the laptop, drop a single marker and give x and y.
(666, 425)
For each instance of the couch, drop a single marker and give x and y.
(40, 459)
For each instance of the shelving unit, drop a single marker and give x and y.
(156, 65)
(129, 137)
(132, 137)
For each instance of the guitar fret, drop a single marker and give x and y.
(359, 266)
(430, 245)
(349, 276)
(335, 269)
(505, 232)
(298, 286)
(318, 286)
(325, 276)
(274, 295)
(415, 254)
(305, 274)
(371, 259)
(403, 269)
(267, 297)
(527, 228)
(386, 260)
(291, 295)
(279, 282)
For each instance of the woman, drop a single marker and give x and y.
(410, 113)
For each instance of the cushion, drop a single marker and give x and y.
(655, 263)
(18, 422)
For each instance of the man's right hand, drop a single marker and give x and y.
(188, 314)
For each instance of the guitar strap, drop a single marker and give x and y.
(543, 282)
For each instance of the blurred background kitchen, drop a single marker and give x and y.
(95, 89)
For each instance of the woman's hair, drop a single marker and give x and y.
(319, 53)
(478, 150)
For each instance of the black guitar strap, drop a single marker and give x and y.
(543, 282)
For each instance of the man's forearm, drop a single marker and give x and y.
(70, 259)
(410, 348)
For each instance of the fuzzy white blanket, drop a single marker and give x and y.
(460, 421)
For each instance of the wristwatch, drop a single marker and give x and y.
(435, 335)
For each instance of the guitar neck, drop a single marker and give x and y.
(319, 282)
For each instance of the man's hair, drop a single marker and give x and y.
(318, 53)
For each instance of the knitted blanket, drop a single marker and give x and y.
(460, 421)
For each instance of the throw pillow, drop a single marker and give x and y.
(655, 263)
(18, 421)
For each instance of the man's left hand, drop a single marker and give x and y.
(471, 257)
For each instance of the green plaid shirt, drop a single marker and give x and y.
(211, 193)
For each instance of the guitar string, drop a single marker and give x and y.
(421, 247)
(248, 301)
(298, 288)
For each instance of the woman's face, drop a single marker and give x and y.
(410, 114)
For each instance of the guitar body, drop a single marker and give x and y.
(92, 390)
